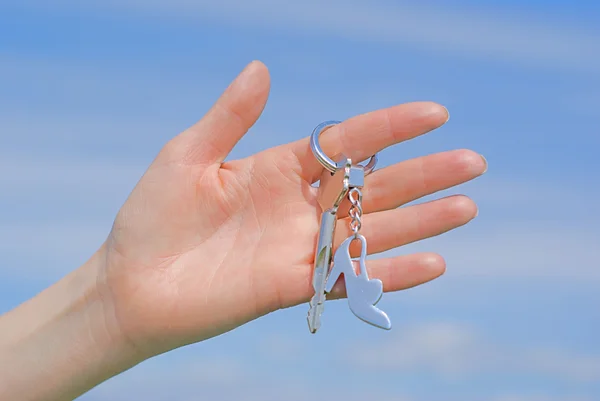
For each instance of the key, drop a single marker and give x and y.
(322, 263)
(333, 189)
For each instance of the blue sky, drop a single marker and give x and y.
(90, 91)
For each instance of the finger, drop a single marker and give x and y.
(412, 179)
(398, 273)
(392, 228)
(211, 139)
(366, 134)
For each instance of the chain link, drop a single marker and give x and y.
(355, 212)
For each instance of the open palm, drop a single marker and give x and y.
(202, 246)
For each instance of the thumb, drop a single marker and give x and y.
(211, 139)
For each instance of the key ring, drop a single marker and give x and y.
(326, 160)
(339, 181)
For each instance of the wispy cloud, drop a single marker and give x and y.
(518, 249)
(448, 349)
(454, 351)
(526, 228)
(93, 100)
(157, 380)
(224, 379)
(538, 397)
(61, 210)
(34, 174)
(48, 249)
(492, 34)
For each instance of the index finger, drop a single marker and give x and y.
(364, 135)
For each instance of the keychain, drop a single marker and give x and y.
(340, 182)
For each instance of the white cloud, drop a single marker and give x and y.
(91, 177)
(518, 249)
(187, 375)
(34, 250)
(282, 348)
(538, 397)
(224, 379)
(526, 228)
(62, 210)
(491, 34)
(454, 351)
(110, 101)
(159, 379)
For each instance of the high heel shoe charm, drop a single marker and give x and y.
(341, 184)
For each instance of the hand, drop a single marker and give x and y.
(202, 246)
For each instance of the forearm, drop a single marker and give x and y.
(62, 343)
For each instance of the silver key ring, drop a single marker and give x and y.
(326, 160)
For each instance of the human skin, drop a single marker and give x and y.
(202, 246)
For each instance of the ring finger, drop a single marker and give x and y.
(410, 180)
(393, 228)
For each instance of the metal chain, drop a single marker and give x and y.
(355, 212)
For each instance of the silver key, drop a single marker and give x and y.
(333, 189)
(321, 268)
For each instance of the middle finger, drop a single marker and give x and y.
(412, 179)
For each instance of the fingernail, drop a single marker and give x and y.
(486, 164)
(447, 114)
(476, 213)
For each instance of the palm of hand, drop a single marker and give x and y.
(202, 246)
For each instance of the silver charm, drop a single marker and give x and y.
(363, 293)
(339, 182)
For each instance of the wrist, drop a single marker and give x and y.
(65, 339)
